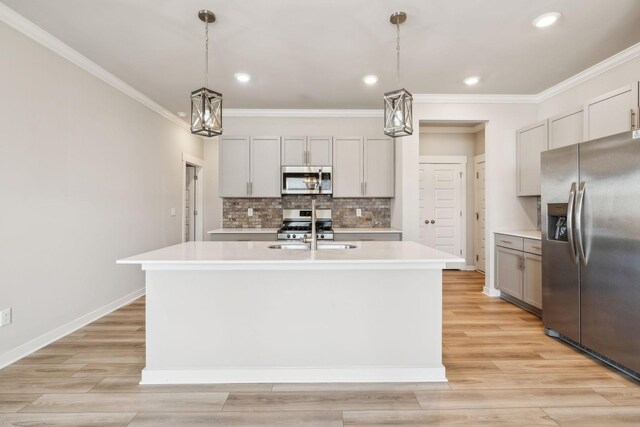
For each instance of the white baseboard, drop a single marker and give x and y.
(36, 344)
(469, 268)
(293, 375)
(492, 292)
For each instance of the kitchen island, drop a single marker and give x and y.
(242, 312)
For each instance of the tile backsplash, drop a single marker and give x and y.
(267, 213)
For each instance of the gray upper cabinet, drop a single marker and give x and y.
(348, 167)
(566, 129)
(249, 167)
(234, 166)
(379, 167)
(307, 150)
(530, 142)
(265, 167)
(319, 150)
(611, 113)
(363, 167)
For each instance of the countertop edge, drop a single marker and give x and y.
(526, 234)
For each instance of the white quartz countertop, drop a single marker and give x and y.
(527, 234)
(243, 231)
(366, 230)
(241, 255)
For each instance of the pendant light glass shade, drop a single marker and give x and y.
(206, 104)
(398, 113)
(398, 104)
(206, 112)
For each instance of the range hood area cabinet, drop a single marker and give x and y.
(363, 167)
(307, 150)
(608, 114)
(250, 166)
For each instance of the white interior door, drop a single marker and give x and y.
(479, 197)
(441, 207)
(189, 204)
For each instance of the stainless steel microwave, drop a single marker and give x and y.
(306, 180)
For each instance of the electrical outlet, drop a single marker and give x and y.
(358, 213)
(173, 211)
(5, 317)
(250, 212)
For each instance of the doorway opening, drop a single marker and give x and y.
(192, 198)
(452, 208)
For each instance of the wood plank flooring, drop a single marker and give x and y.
(502, 370)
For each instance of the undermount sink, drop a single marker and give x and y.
(321, 246)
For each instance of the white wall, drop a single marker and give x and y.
(88, 175)
(433, 143)
(504, 210)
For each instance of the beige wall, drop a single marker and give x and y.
(505, 211)
(88, 176)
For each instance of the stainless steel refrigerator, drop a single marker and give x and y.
(591, 247)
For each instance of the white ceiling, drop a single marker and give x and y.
(313, 54)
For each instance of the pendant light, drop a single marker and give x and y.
(398, 104)
(206, 104)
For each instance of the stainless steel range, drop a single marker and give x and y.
(296, 224)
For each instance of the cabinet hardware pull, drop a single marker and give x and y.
(537, 247)
(633, 119)
(505, 241)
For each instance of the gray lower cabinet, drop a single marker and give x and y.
(373, 236)
(244, 237)
(519, 270)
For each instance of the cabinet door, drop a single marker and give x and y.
(348, 167)
(611, 113)
(234, 166)
(531, 141)
(532, 280)
(566, 129)
(509, 271)
(319, 150)
(379, 167)
(294, 150)
(265, 167)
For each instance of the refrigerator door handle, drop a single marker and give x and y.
(578, 227)
(570, 234)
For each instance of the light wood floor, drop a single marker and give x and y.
(502, 370)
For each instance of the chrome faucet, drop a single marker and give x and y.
(313, 241)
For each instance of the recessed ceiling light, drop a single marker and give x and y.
(371, 79)
(243, 77)
(470, 81)
(546, 20)
(182, 114)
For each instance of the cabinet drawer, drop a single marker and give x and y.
(244, 237)
(511, 242)
(533, 246)
(348, 237)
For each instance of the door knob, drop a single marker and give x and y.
(433, 221)
(426, 221)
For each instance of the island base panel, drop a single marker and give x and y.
(217, 326)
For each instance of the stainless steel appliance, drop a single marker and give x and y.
(591, 247)
(306, 180)
(296, 224)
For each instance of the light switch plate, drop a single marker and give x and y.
(358, 213)
(173, 211)
(250, 212)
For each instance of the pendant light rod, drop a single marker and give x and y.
(207, 17)
(398, 18)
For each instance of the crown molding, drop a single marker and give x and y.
(473, 99)
(601, 67)
(31, 30)
(239, 112)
